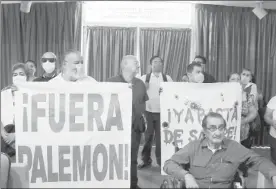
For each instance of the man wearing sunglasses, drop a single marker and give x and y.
(214, 160)
(72, 69)
(48, 62)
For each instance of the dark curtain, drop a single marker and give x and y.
(48, 27)
(105, 48)
(233, 38)
(172, 45)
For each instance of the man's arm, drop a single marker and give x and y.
(252, 159)
(174, 166)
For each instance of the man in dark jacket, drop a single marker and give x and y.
(129, 68)
(207, 77)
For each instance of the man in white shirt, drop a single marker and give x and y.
(270, 118)
(152, 82)
(72, 69)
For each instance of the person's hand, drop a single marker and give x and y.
(10, 138)
(274, 181)
(190, 181)
(274, 123)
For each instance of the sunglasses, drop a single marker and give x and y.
(48, 59)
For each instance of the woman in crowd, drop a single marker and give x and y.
(48, 62)
(249, 113)
(270, 118)
(19, 75)
(30, 66)
(248, 86)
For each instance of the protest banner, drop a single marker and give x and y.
(74, 135)
(184, 105)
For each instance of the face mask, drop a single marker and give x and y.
(48, 67)
(199, 78)
(19, 79)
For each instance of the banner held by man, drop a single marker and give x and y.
(184, 105)
(70, 135)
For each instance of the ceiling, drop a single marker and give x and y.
(266, 4)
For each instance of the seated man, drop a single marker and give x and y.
(214, 160)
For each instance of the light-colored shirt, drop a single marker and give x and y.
(7, 107)
(59, 78)
(272, 105)
(153, 104)
(215, 170)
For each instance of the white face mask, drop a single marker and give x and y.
(199, 78)
(19, 79)
(48, 67)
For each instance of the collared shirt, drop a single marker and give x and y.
(272, 105)
(139, 95)
(59, 78)
(215, 170)
(153, 104)
(44, 78)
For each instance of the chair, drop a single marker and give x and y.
(5, 170)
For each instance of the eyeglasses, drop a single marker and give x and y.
(214, 128)
(48, 59)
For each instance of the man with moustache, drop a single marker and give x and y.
(72, 69)
(49, 65)
(214, 160)
(129, 69)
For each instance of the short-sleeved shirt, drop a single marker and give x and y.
(153, 104)
(272, 105)
(139, 94)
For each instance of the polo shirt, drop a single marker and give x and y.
(153, 104)
(139, 95)
(272, 105)
(216, 170)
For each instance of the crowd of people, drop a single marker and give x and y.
(146, 112)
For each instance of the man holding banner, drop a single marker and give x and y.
(129, 68)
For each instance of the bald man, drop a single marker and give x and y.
(48, 63)
(129, 69)
(72, 69)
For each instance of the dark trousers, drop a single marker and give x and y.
(272, 142)
(135, 143)
(153, 123)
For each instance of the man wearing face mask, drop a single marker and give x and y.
(72, 69)
(207, 77)
(194, 73)
(130, 68)
(48, 62)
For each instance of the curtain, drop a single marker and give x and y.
(172, 45)
(48, 27)
(105, 48)
(233, 38)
